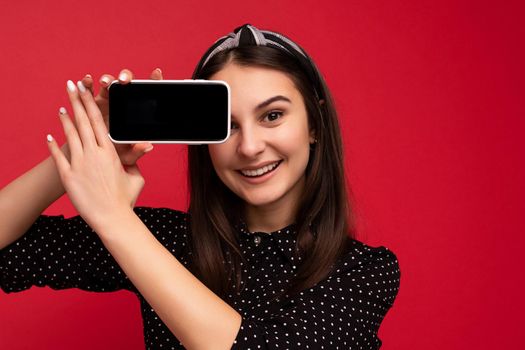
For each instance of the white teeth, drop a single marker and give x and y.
(260, 171)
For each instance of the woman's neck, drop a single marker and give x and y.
(277, 215)
(267, 219)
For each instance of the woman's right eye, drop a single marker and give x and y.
(234, 126)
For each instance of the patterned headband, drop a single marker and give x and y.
(248, 35)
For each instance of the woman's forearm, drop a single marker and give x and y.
(26, 197)
(194, 314)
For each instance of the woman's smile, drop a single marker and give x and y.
(260, 170)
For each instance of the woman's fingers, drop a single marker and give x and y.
(94, 116)
(59, 158)
(125, 76)
(83, 124)
(70, 131)
(129, 154)
(87, 81)
(156, 74)
(136, 152)
(96, 109)
(105, 82)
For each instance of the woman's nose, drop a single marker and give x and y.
(251, 143)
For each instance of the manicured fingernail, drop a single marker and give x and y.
(81, 86)
(123, 76)
(49, 138)
(104, 80)
(62, 111)
(148, 149)
(160, 71)
(88, 76)
(71, 86)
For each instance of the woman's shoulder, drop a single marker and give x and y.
(360, 253)
(375, 270)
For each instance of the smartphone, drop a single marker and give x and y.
(169, 111)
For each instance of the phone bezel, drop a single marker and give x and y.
(186, 82)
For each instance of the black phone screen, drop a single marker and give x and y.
(169, 111)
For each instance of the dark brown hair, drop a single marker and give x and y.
(324, 220)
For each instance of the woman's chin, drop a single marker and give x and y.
(259, 201)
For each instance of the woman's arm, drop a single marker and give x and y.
(24, 199)
(61, 253)
(101, 189)
(194, 314)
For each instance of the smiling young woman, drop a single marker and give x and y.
(266, 256)
(307, 187)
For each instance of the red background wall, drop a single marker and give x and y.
(430, 95)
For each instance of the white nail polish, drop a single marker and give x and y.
(62, 110)
(81, 86)
(49, 138)
(105, 80)
(123, 77)
(71, 86)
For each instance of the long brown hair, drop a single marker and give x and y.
(324, 220)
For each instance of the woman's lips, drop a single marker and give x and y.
(261, 174)
(261, 170)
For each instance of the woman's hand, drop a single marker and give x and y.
(128, 153)
(97, 182)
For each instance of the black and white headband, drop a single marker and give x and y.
(248, 35)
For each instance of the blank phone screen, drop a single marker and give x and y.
(169, 111)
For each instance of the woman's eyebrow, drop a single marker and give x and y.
(271, 100)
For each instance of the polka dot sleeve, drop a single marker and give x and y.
(65, 253)
(344, 311)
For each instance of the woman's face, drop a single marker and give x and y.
(264, 160)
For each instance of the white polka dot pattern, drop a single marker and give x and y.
(342, 312)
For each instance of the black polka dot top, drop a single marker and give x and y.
(343, 311)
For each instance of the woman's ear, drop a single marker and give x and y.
(313, 138)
